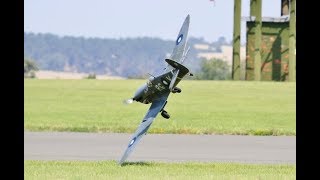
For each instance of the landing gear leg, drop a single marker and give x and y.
(164, 113)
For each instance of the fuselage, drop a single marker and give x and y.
(156, 86)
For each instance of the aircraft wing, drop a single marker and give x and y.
(180, 44)
(153, 111)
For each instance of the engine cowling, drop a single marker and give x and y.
(139, 93)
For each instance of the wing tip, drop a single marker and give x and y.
(120, 163)
(123, 158)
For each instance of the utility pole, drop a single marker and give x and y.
(292, 41)
(236, 40)
(255, 10)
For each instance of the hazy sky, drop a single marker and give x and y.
(137, 18)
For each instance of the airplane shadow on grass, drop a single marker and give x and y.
(140, 163)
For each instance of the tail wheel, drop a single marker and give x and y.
(165, 114)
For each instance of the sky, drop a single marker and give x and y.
(138, 18)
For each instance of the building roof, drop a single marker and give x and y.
(267, 19)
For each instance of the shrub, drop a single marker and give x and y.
(91, 76)
(214, 69)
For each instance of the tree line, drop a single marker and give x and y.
(127, 57)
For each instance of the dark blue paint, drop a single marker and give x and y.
(133, 140)
(179, 39)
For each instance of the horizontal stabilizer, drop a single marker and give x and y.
(183, 70)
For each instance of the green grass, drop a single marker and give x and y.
(141, 170)
(203, 107)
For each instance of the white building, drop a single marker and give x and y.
(225, 55)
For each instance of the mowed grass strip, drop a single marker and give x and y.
(151, 170)
(203, 107)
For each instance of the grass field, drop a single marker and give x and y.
(203, 107)
(191, 170)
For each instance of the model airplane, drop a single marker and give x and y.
(157, 89)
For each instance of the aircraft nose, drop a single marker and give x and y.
(139, 93)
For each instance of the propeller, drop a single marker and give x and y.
(128, 101)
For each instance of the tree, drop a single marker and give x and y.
(29, 68)
(214, 69)
(118, 57)
(222, 41)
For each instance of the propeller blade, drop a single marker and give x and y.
(127, 101)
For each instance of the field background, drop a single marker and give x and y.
(203, 107)
(152, 170)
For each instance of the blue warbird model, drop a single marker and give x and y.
(157, 89)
